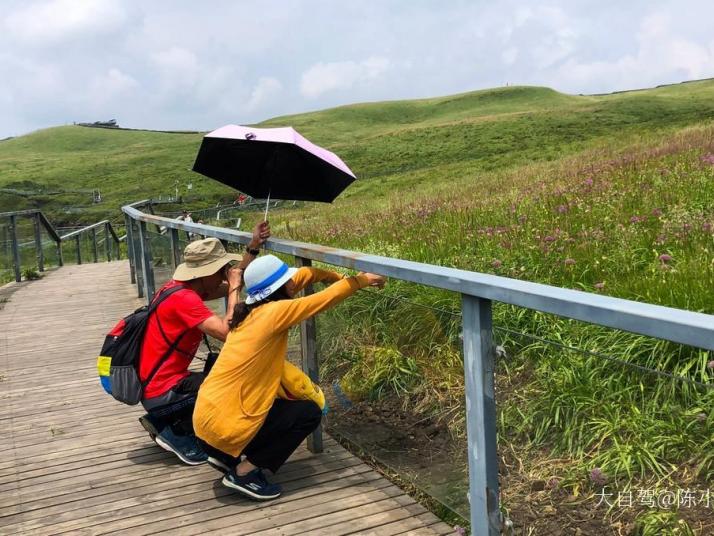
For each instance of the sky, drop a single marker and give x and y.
(191, 65)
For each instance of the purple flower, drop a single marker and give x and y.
(710, 365)
(656, 212)
(569, 262)
(461, 531)
(664, 258)
(588, 182)
(553, 482)
(597, 477)
(562, 209)
(496, 263)
(549, 238)
(600, 285)
(708, 159)
(637, 219)
(706, 227)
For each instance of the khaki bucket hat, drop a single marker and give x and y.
(202, 258)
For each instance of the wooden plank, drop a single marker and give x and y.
(71, 450)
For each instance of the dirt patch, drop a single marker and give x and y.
(424, 454)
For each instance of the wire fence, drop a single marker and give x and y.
(582, 351)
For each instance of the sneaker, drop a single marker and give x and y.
(254, 485)
(185, 447)
(149, 426)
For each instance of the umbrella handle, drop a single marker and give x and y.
(267, 204)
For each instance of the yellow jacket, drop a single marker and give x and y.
(296, 385)
(238, 393)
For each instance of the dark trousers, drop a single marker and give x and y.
(175, 407)
(288, 423)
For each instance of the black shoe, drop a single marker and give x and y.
(254, 485)
(185, 447)
(149, 426)
(218, 464)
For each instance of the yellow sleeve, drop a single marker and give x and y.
(288, 313)
(296, 385)
(308, 275)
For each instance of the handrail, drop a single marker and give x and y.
(40, 219)
(676, 325)
(478, 291)
(43, 219)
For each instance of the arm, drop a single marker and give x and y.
(288, 313)
(216, 326)
(308, 275)
(261, 233)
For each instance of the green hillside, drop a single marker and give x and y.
(610, 194)
(57, 168)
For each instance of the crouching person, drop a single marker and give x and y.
(240, 421)
(173, 335)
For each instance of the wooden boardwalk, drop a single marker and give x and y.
(76, 461)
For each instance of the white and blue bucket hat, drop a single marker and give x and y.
(264, 276)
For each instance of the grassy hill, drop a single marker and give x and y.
(389, 144)
(611, 194)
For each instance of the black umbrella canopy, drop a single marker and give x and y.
(278, 163)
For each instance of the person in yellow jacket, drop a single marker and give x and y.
(238, 410)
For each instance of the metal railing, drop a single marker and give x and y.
(477, 291)
(39, 221)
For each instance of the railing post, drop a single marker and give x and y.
(107, 242)
(15, 249)
(60, 257)
(481, 416)
(38, 244)
(146, 267)
(175, 248)
(129, 248)
(310, 362)
(79, 249)
(95, 250)
(138, 262)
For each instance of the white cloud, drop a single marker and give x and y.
(325, 77)
(264, 90)
(46, 22)
(111, 85)
(509, 55)
(180, 64)
(662, 55)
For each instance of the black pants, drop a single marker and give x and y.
(175, 407)
(288, 423)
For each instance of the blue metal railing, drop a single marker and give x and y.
(478, 291)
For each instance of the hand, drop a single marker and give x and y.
(234, 277)
(374, 279)
(261, 232)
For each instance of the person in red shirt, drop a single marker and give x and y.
(181, 321)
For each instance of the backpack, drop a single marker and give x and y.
(118, 361)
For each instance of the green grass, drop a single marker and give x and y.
(389, 145)
(611, 194)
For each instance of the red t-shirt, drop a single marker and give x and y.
(182, 310)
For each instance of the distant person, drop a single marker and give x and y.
(205, 274)
(237, 412)
(185, 216)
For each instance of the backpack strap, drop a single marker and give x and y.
(152, 308)
(162, 295)
(162, 360)
(161, 328)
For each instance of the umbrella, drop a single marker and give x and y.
(272, 162)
